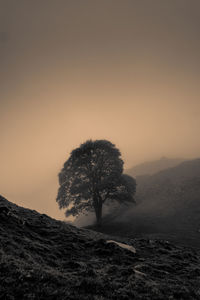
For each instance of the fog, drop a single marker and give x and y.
(126, 71)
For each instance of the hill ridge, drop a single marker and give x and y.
(154, 166)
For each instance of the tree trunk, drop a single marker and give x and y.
(98, 212)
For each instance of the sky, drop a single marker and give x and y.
(126, 71)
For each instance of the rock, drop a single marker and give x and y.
(122, 245)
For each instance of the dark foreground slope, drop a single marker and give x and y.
(41, 258)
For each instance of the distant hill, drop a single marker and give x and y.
(152, 167)
(42, 258)
(168, 206)
(185, 170)
(170, 182)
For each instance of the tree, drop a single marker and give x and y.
(91, 176)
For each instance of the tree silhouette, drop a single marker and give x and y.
(91, 176)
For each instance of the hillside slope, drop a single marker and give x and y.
(171, 191)
(168, 206)
(41, 258)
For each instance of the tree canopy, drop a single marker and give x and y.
(91, 176)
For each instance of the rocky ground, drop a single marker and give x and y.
(42, 258)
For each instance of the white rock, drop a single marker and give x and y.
(125, 246)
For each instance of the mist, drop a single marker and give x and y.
(72, 71)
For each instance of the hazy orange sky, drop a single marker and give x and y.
(126, 71)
